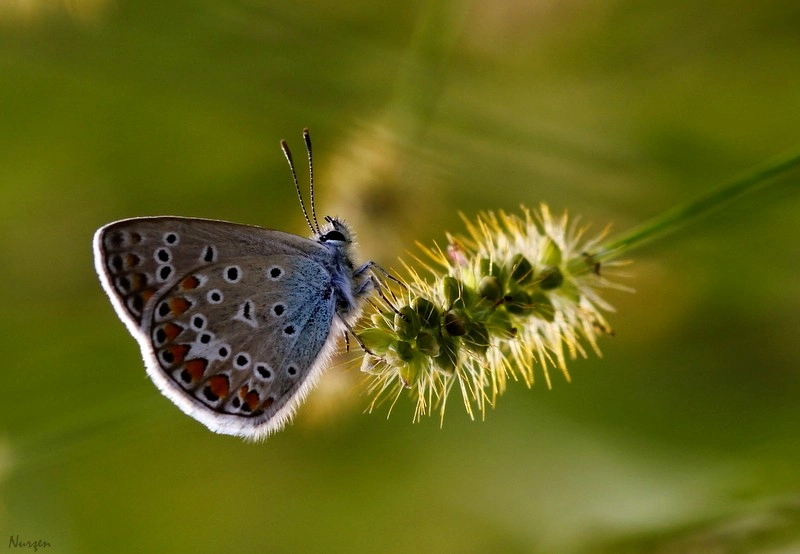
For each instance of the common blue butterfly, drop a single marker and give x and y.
(235, 322)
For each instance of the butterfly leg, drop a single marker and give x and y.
(350, 331)
(376, 283)
(377, 270)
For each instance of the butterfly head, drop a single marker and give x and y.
(335, 232)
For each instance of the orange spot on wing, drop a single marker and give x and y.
(132, 260)
(219, 385)
(196, 367)
(251, 399)
(179, 352)
(179, 305)
(172, 330)
(267, 403)
(137, 280)
(146, 295)
(190, 282)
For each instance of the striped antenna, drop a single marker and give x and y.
(307, 139)
(288, 154)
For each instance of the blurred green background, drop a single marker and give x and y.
(682, 438)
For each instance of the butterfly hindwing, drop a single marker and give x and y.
(240, 343)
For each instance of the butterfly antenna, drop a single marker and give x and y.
(288, 154)
(307, 139)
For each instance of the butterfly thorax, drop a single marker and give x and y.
(349, 283)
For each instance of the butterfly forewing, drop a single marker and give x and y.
(234, 322)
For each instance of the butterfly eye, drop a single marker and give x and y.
(333, 235)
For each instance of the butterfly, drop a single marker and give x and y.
(235, 322)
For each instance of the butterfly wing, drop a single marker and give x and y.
(235, 322)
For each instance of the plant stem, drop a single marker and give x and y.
(677, 217)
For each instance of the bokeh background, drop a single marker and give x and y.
(682, 438)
